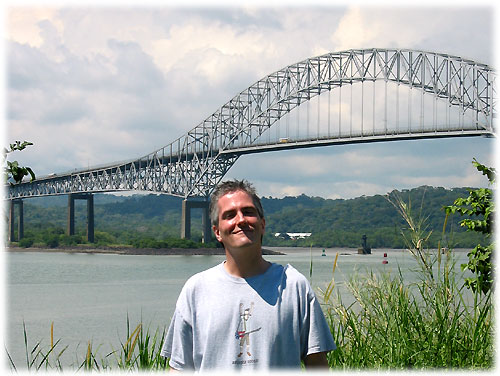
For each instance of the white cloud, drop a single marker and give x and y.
(98, 85)
(196, 39)
(430, 28)
(332, 190)
(351, 31)
(23, 24)
(469, 177)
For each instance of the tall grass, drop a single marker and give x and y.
(140, 352)
(433, 323)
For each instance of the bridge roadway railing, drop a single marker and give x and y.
(194, 163)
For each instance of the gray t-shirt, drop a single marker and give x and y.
(272, 320)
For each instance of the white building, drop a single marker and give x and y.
(293, 235)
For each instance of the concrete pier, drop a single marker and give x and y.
(12, 220)
(187, 205)
(90, 214)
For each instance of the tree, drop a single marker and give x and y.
(14, 173)
(481, 207)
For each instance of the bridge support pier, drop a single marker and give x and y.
(186, 219)
(12, 220)
(90, 214)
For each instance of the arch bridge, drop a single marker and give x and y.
(353, 96)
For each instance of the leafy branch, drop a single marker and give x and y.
(480, 206)
(14, 173)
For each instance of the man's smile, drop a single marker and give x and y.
(243, 231)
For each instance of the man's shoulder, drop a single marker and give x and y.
(203, 283)
(296, 278)
(291, 272)
(203, 276)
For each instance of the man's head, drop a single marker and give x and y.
(237, 215)
(230, 187)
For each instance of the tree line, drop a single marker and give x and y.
(154, 221)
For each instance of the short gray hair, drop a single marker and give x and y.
(231, 186)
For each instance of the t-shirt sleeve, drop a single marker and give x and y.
(178, 344)
(318, 337)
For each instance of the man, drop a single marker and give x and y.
(245, 313)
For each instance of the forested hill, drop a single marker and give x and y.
(344, 222)
(146, 219)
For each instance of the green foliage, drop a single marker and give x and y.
(69, 240)
(153, 221)
(480, 264)
(52, 241)
(481, 207)
(142, 350)
(25, 242)
(395, 325)
(148, 242)
(104, 238)
(13, 172)
(342, 223)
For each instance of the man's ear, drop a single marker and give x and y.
(216, 233)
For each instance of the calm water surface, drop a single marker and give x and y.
(88, 297)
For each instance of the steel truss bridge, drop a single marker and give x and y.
(361, 96)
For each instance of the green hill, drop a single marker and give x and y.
(154, 220)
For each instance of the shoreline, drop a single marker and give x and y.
(133, 251)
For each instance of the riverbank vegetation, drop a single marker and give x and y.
(444, 321)
(153, 221)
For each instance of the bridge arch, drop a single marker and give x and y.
(194, 163)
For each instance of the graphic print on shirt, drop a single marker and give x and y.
(245, 329)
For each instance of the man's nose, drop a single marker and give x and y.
(240, 217)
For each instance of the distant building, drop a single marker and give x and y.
(293, 235)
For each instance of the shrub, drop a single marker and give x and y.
(69, 240)
(52, 240)
(26, 242)
(104, 238)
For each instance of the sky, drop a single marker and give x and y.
(98, 84)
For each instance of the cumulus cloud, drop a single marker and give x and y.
(95, 85)
(23, 24)
(423, 28)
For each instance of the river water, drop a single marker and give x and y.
(88, 297)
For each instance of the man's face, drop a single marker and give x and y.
(239, 222)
